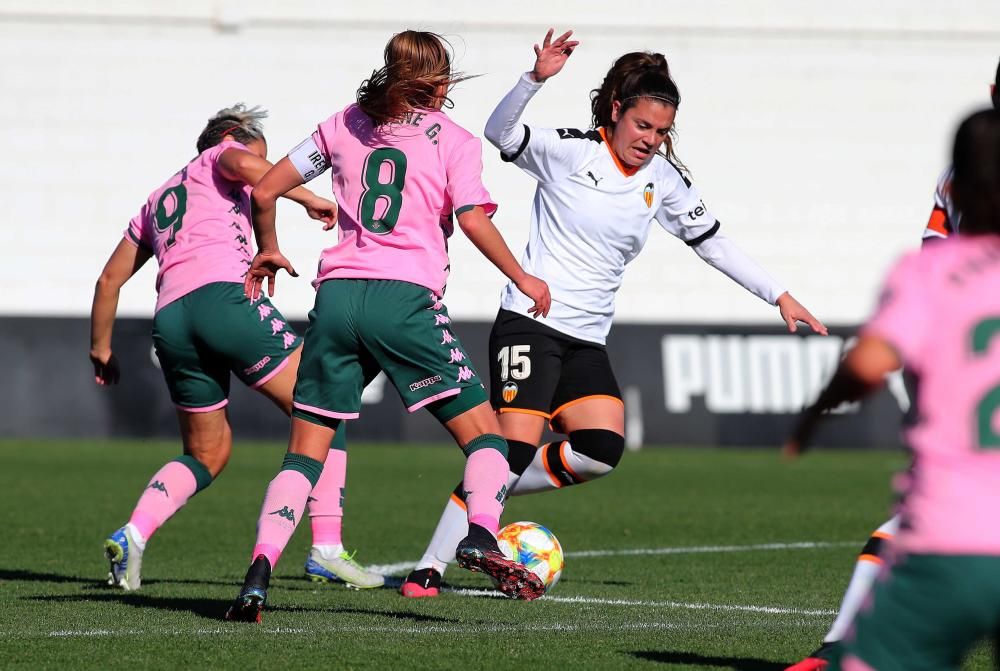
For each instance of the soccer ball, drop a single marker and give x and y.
(535, 547)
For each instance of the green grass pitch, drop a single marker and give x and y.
(707, 596)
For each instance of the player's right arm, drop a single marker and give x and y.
(484, 235)
(124, 262)
(538, 151)
(238, 165)
(278, 181)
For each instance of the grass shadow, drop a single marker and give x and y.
(100, 583)
(212, 609)
(691, 658)
(24, 575)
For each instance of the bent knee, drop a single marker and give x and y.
(602, 447)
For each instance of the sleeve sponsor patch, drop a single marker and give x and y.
(308, 159)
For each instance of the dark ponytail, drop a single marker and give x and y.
(636, 75)
(975, 184)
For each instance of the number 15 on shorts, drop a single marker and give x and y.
(514, 362)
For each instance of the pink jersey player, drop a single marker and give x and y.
(939, 316)
(940, 311)
(197, 225)
(402, 172)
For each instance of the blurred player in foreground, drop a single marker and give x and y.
(944, 222)
(598, 193)
(197, 226)
(939, 315)
(403, 171)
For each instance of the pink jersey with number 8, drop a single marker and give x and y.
(397, 188)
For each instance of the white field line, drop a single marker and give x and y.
(433, 629)
(722, 608)
(392, 569)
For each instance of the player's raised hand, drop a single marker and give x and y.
(106, 369)
(552, 55)
(321, 209)
(538, 291)
(793, 311)
(265, 266)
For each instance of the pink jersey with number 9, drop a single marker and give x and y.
(397, 188)
(197, 225)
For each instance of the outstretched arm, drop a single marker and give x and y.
(862, 371)
(487, 239)
(722, 254)
(244, 166)
(124, 262)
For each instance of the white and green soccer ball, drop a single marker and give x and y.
(534, 546)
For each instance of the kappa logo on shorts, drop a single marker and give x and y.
(257, 367)
(647, 194)
(509, 392)
(420, 384)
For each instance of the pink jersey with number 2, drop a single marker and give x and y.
(198, 226)
(940, 310)
(397, 190)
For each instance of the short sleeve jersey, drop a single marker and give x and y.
(197, 225)
(944, 217)
(940, 310)
(399, 188)
(590, 217)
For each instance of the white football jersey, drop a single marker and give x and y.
(591, 216)
(944, 217)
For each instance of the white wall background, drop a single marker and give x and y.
(815, 133)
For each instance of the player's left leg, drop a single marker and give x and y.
(328, 390)
(284, 502)
(595, 427)
(198, 383)
(485, 483)
(207, 445)
(266, 358)
(328, 560)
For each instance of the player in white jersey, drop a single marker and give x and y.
(599, 192)
(943, 223)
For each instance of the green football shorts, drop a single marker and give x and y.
(927, 613)
(360, 327)
(215, 329)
